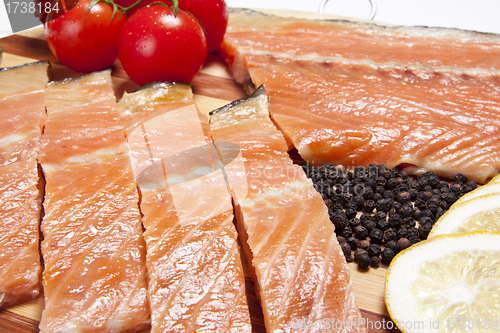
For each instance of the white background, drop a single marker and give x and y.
(481, 15)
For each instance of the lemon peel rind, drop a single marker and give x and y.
(480, 191)
(495, 180)
(457, 214)
(404, 266)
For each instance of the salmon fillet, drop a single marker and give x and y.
(340, 110)
(254, 32)
(196, 280)
(22, 111)
(303, 279)
(94, 278)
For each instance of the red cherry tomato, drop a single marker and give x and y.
(156, 45)
(212, 15)
(83, 40)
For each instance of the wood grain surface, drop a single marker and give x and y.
(213, 87)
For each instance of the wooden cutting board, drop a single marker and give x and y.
(213, 87)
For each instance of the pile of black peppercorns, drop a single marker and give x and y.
(378, 212)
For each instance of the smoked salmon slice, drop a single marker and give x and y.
(341, 109)
(303, 280)
(254, 32)
(22, 110)
(94, 278)
(195, 276)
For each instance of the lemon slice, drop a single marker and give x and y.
(490, 188)
(495, 179)
(478, 214)
(449, 283)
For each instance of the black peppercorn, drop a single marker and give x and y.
(469, 186)
(353, 223)
(397, 205)
(393, 245)
(394, 221)
(391, 184)
(376, 236)
(346, 248)
(455, 188)
(388, 194)
(361, 232)
(371, 183)
(413, 193)
(351, 213)
(406, 210)
(369, 206)
(389, 235)
(424, 229)
(383, 225)
(375, 262)
(425, 219)
(383, 205)
(368, 193)
(414, 239)
(402, 232)
(403, 243)
(450, 197)
(426, 214)
(412, 232)
(387, 256)
(358, 253)
(364, 261)
(403, 196)
(353, 242)
(374, 250)
(346, 232)
(460, 179)
(381, 181)
(409, 222)
(363, 244)
(425, 195)
(346, 197)
(369, 225)
(379, 216)
(442, 205)
(339, 219)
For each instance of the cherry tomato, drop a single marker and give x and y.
(212, 15)
(156, 45)
(84, 40)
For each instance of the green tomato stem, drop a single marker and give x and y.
(175, 6)
(126, 9)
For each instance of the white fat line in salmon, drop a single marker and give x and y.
(314, 57)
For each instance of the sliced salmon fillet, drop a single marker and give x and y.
(303, 279)
(94, 278)
(356, 115)
(353, 112)
(22, 111)
(254, 32)
(196, 280)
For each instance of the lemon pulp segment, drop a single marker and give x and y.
(449, 283)
(459, 285)
(487, 220)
